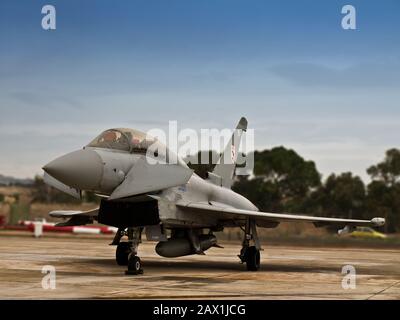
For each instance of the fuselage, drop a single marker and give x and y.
(104, 164)
(195, 190)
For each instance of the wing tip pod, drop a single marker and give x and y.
(378, 222)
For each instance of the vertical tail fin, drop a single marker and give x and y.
(225, 168)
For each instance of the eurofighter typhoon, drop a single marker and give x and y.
(165, 199)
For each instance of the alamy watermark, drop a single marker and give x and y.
(349, 20)
(349, 280)
(49, 280)
(183, 145)
(49, 18)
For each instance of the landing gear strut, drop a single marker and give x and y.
(134, 263)
(126, 253)
(250, 253)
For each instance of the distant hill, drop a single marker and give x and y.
(11, 181)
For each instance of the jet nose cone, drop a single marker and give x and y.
(82, 169)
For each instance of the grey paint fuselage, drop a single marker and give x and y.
(195, 190)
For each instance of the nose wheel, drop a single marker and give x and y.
(126, 253)
(122, 253)
(134, 265)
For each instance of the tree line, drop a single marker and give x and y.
(284, 182)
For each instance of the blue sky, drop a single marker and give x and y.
(288, 66)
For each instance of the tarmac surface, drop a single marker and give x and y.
(86, 269)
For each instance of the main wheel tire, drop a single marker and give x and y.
(252, 259)
(122, 253)
(134, 265)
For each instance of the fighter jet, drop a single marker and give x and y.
(166, 199)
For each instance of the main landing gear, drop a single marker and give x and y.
(126, 253)
(250, 253)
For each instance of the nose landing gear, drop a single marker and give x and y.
(122, 253)
(126, 253)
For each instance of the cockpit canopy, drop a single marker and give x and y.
(123, 139)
